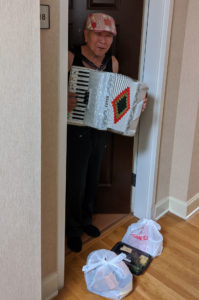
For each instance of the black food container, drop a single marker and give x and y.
(136, 260)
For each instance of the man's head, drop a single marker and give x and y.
(99, 22)
(99, 32)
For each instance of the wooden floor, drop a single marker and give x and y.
(172, 276)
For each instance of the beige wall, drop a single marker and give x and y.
(20, 151)
(171, 97)
(179, 164)
(194, 172)
(49, 68)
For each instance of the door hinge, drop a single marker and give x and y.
(133, 179)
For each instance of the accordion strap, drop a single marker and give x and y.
(103, 65)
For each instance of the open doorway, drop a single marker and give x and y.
(114, 191)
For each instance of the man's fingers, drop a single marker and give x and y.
(72, 95)
(72, 101)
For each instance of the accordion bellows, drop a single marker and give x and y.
(106, 101)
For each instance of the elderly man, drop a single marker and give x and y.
(85, 147)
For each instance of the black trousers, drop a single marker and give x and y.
(85, 149)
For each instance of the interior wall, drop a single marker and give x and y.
(187, 107)
(20, 151)
(179, 166)
(171, 97)
(50, 108)
(194, 173)
(192, 71)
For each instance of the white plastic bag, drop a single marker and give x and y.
(145, 235)
(107, 275)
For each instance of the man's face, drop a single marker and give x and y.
(98, 42)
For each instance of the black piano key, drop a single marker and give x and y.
(81, 84)
(83, 81)
(77, 118)
(80, 106)
(81, 90)
(84, 73)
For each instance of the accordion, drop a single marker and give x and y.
(106, 101)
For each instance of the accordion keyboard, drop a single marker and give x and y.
(79, 84)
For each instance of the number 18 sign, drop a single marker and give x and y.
(44, 16)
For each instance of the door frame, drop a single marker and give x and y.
(153, 69)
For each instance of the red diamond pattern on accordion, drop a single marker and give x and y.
(121, 104)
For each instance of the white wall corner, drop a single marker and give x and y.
(176, 206)
(192, 205)
(50, 286)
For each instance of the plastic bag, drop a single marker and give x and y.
(145, 235)
(107, 275)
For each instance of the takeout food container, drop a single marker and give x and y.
(136, 260)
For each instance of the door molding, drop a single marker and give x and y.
(61, 180)
(153, 72)
(154, 60)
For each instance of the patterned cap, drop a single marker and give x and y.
(101, 22)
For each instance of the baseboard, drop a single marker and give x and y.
(176, 206)
(161, 208)
(50, 286)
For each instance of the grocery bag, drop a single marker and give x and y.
(107, 275)
(145, 235)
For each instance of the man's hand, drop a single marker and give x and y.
(144, 103)
(72, 101)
